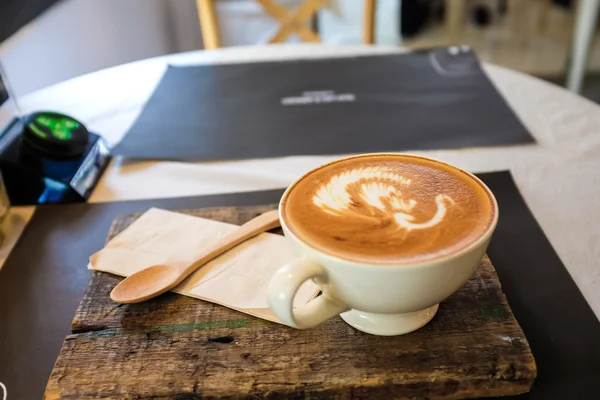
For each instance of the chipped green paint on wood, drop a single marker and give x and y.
(230, 324)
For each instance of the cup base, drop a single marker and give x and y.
(389, 324)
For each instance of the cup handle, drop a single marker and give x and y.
(283, 287)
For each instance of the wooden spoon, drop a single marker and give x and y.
(153, 281)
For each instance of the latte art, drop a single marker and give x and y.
(376, 193)
(388, 209)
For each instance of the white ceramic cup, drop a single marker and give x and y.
(377, 299)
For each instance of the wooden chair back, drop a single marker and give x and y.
(295, 21)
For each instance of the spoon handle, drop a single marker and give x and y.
(262, 223)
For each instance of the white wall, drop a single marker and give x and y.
(75, 37)
(243, 22)
(341, 22)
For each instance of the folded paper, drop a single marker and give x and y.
(237, 279)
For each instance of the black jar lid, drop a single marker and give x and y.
(55, 134)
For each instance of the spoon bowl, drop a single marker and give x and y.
(146, 284)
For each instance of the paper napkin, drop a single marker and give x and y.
(237, 279)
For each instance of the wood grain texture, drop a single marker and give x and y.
(207, 16)
(175, 347)
(369, 10)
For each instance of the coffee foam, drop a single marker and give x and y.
(388, 209)
(374, 192)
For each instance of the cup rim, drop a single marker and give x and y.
(485, 236)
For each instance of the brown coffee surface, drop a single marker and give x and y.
(388, 209)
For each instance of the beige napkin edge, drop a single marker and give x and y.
(264, 313)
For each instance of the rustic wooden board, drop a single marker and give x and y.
(175, 347)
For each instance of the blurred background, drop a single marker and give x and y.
(43, 42)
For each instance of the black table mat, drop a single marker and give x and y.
(45, 277)
(422, 100)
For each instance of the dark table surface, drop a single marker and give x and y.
(45, 277)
